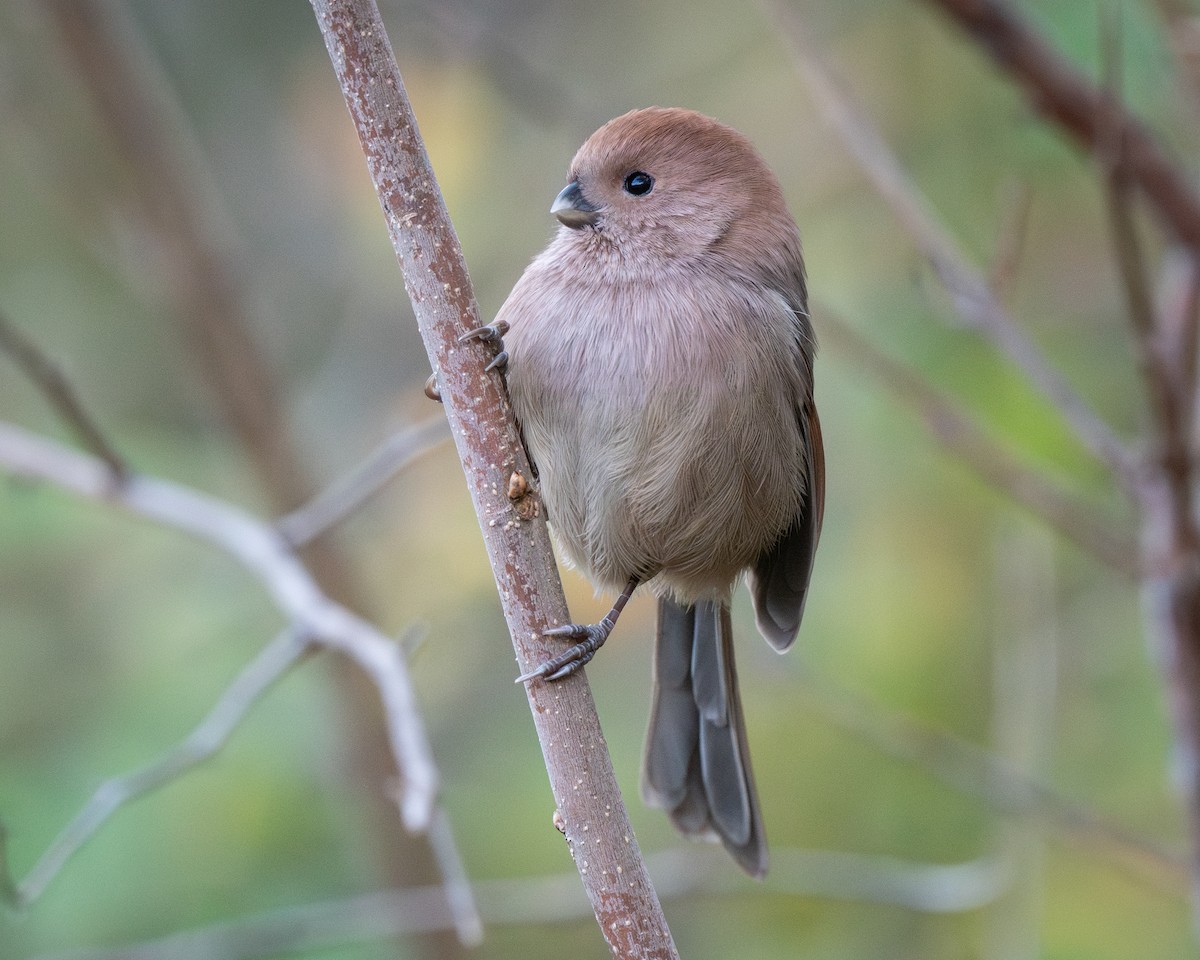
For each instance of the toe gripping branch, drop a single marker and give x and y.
(591, 637)
(490, 333)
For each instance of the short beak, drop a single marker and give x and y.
(572, 208)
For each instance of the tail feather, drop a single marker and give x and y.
(697, 765)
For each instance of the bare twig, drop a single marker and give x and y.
(1092, 530)
(1183, 33)
(347, 494)
(920, 887)
(201, 744)
(973, 300)
(1169, 410)
(978, 773)
(205, 269)
(258, 547)
(1025, 671)
(456, 886)
(1082, 109)
(202, 260)
(595, 822)
(1178, 326)
(1010, 242)
(48, 378)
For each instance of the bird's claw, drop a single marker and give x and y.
(498, 362)
(591, 638)
(490, 333)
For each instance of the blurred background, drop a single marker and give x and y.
(188, 229)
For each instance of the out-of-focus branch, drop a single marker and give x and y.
(1178, 326)
(1160, 484)
(1085, 111)
(1010, 242)
(1025, 671)
(259, 548)
(345, 495)
(1169, 410)
(1088, 528)
(974, 301)
(1182, 22)
(202, 743)
(594, 819)
(978, 773)
(199, 254)
(204, 266)
(57, 389)
(920, 887)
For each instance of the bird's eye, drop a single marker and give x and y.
(638, 184)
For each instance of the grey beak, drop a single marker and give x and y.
(572, 207)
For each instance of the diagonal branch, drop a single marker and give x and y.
(272, 662)
(973, 299)
(594, 819)
(1169, 409)
(345, 495)
(259, 548)
(1086, 112)
(203, 270)
(965, 439)
(979, 773)
(57, 389)
(316, 621)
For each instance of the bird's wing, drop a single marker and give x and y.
(779, 579)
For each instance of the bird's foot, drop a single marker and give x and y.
(591, 637)
(490, 333)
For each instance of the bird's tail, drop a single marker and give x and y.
(697, 766)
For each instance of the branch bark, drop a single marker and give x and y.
(590, 807)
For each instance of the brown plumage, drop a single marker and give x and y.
(660, 365)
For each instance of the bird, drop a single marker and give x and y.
(659, 361)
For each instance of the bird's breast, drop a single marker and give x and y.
(663, 423)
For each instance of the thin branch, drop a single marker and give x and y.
(1092, 530)
(200, 745)
(1183, 34)
(596, 825)
(54, 385)
(202, 261)
(348, 493)
(973, 300)
(1011, 241)
(978, 773)
(1178, 326)
(1082, 109)
(1025, 670)
(259, 548)
(1170, 411)
(196, 259)
(920, 887)
(456, 885)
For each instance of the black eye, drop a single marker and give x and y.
(638, 184)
